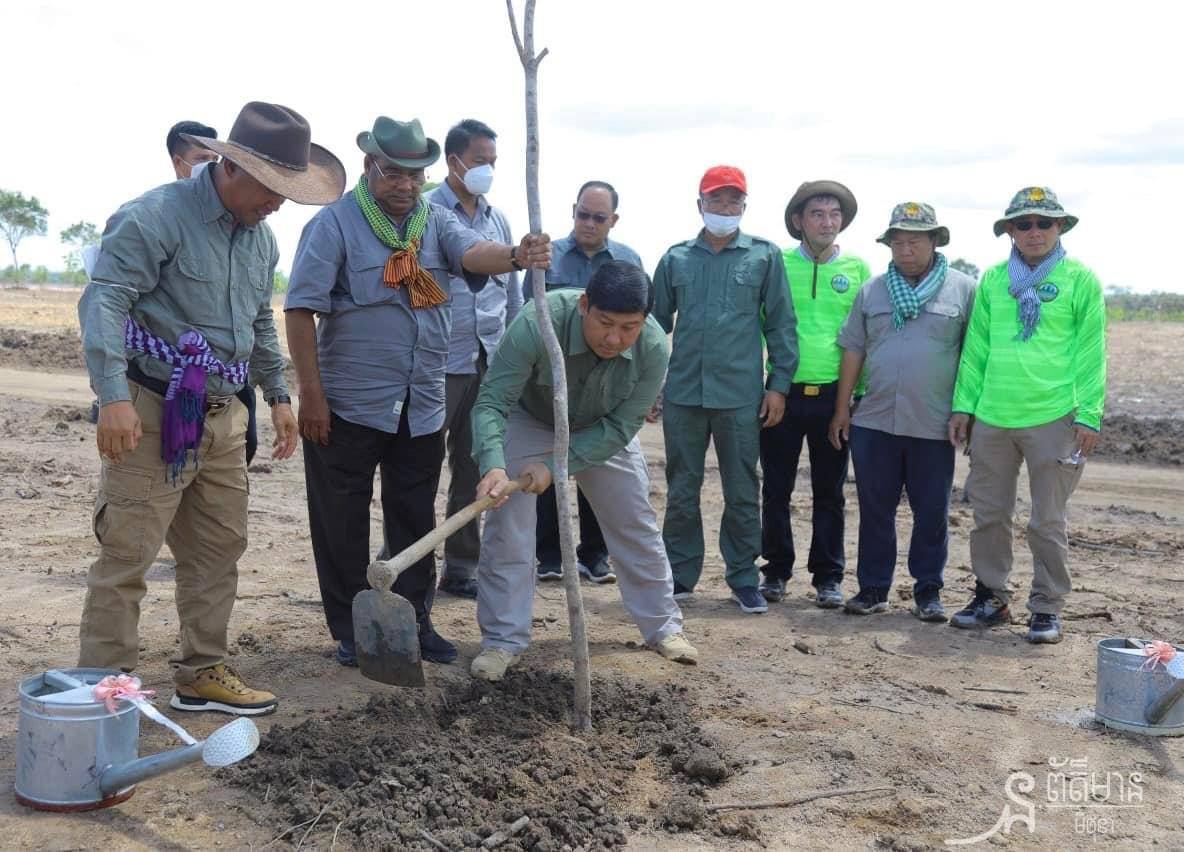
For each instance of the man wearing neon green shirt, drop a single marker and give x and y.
(1033, 377)
(823, 283)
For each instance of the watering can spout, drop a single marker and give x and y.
(122, 776)
(229, 744)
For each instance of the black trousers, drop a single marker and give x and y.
(807, 419)
(591, 548)
(340, 483)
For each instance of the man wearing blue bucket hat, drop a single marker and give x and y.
(1033, 377)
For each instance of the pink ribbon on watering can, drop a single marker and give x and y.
(114, 688)
(1160, 653)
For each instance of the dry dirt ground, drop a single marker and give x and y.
(793, 702)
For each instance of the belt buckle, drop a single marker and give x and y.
(213, 406)
(811, 390)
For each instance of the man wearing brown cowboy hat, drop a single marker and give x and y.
(375, 268)
(178, 305)
(823, 282)
(1033, 377)
(906, 328)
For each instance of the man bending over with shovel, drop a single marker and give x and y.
(615, 356)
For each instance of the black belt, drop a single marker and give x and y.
(808, 391)
(214, 404)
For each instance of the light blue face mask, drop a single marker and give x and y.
(720, 226)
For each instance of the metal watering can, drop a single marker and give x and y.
(73, 754)
(1135, 696)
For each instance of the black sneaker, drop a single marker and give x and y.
(597, 572)
(867, 602)
(433, 647)
(550, 572)
(985, 609)
(682, 593)
(1044, 628)
(772, 590)
(750, 600)
(930, 609)
(459, 586)
(829, 594)
(347, 653)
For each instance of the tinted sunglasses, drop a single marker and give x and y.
(598, 218)
(1026, 225)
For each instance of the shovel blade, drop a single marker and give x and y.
(387, 638)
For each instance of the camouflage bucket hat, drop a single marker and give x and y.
(915, 216)
(1035, 201)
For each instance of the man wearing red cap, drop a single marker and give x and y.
(728, 289)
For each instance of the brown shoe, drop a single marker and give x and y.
(219, 688)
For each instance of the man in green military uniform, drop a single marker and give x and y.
(727, 288)
(823, 283)
(1033, 376)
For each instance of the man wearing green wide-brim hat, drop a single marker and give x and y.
(375, 268)
(905, 329)
(1033, 378)
(823, 283)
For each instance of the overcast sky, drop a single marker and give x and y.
(956, 104)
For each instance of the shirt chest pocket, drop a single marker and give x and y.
(436, 264)
(743, 294)
(943, 323)
(879, 324)
(202, 288)
(364, 269)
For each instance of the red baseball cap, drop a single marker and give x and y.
(718, 177)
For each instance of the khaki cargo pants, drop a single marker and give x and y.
(203, 517)
(995, 458)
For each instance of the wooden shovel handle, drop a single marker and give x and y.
(382, 573)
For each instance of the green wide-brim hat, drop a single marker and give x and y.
(918, 217)
(400, 142)
(814, 188)
(1035, 201)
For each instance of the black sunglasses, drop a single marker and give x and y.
(1026, 225)
(598, 218)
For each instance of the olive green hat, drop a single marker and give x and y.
(915, 216)
(1035, 201)
(400, 142)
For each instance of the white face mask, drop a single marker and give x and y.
(478, 179)
(720, 226)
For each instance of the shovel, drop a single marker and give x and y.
(385, 627)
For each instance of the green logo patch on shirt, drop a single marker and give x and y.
(1048, 291)
(840, 283)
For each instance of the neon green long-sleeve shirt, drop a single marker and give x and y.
(1016, 384)
(822, 297)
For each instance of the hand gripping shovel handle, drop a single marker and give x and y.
(382, 573)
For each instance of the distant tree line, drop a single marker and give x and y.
(1121, 304)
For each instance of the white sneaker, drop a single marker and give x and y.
(676, 647)
(491, 664)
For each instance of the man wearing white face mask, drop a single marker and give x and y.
(478, 322)
(727, 288)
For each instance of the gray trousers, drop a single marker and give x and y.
(618, 492)
(995, 457)
(463, 547)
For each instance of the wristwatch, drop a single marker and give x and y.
(514, 259)
(282, 398)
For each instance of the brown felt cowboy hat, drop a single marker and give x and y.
(813, 188)
(272, 144)
(400, 142)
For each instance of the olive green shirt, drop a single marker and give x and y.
(607, 398)
(724, 302)
(175, 259)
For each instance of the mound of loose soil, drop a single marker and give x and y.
(41, 350)
(469, 767)
(1152, 440)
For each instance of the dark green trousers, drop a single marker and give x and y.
(735, 432)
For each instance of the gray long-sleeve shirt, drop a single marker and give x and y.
(175, 259)
(478, 319)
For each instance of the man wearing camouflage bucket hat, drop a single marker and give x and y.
(1033, 377)
(823, 283)
(906, 328)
